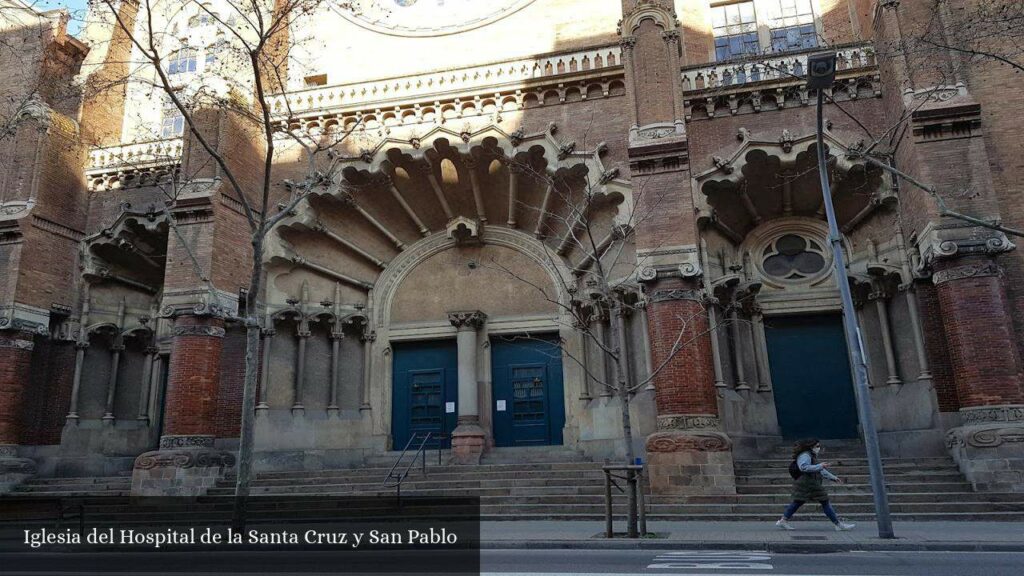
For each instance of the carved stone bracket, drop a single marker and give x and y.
(938, 243)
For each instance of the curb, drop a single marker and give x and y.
(775, 547)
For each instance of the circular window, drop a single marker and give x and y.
(429, 17)
(794, 258)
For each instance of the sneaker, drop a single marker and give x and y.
(844, 526)
(782, 523)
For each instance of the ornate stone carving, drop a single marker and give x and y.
(664, 442)
(992, 437)
(16, 343)
(676, 294)
(185, 459)
(987, 415)
(647, 273)
(967, 271)
(472, 319)
(210, 331)
(689, 422)
(194, 441)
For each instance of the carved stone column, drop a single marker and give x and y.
(146, 387)
(468, 439)
(186, 463)
(337, 335)
(881, 299)
(268, 341)
(303, 335)
(115, 364)
(76, 383)
(368, 338)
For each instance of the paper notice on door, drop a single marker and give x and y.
(449, 407)
(501, 405)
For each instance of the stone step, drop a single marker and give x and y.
(861, 461)
(79, 480)
(462, 475)
(860, 497)
(853, 470)
(916, 476)
(783, 487)
(432, 467)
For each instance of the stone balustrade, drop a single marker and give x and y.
(459, 82)
(137, 155)
(786, 67)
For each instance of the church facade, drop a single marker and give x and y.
(502, 159)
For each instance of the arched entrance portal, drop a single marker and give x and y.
(455, 253)
(765, 244)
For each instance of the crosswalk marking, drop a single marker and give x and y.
(711, 560)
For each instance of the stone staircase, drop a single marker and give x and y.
(74, 487)
(926, 488)
(559, 483)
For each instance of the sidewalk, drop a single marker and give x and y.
(809, 536)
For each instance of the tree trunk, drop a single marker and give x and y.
(246, 434)
(622, 386)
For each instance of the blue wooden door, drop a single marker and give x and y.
(528, 406)
(425, 392)
(810, 368)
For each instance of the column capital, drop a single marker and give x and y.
(467, 320)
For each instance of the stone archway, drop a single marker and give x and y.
(350, 246)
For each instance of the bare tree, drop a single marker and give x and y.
(253, 51)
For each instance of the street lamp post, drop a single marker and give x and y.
(821, 73)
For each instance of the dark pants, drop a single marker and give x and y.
(825, 506)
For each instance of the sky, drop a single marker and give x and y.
(76, 7)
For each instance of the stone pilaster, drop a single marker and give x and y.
(186, 463)
(468, 438)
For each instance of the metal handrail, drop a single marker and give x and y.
(400, 477)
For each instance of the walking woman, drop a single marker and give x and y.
(808, 484)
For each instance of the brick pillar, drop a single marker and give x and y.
(987, 371)
(15, 362)
(186, 463)
(688, 454)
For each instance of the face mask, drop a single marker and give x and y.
(816, 449)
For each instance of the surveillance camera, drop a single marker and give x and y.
(821, 70)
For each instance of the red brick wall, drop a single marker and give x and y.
(48, 397)
(937, 348)
(985, 360)
(15, 364)
(193, 384)
(232, 382)
(686, 384)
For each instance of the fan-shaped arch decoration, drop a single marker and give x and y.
(442, 188)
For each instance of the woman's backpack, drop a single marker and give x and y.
(794, 469)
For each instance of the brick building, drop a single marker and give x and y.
(396, 296)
